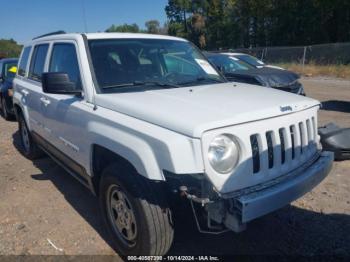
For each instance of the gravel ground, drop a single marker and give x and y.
(40, 203)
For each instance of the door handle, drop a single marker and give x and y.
(25, 92)
(45, 101)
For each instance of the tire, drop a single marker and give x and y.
(146, 227)
(29, 147)
(5, 112)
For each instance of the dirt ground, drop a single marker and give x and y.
(40, 203)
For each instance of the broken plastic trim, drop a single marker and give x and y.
(209, 224)
(203, 202)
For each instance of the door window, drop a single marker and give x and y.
(24, 61)
(38, 62)
(64, 60)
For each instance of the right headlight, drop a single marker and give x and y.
(223, 154)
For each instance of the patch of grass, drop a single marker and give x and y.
(311, 69)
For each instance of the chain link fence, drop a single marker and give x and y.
(324, 54)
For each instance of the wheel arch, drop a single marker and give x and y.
(19, 110)
(102, 156)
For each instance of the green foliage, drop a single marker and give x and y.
(152, 27)
(125, 28)
(244, 23)
(9, 48)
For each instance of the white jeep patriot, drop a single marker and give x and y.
(138, 118)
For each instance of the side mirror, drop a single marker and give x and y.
(58, 83)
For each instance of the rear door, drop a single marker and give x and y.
(34, 88)
(28, 83)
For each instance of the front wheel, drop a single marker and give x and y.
(136, 212)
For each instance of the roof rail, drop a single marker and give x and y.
(53, 33)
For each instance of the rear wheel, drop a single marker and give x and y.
(29, 147)
(136, 212)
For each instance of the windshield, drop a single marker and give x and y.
(7, 66)
(228, 64)
(156, 62)
(250, 60)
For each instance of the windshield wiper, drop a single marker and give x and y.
(201, 79)
(156, 83)
(142, 83)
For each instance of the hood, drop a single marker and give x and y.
(271, 77)
(193, 110)
(275, 67)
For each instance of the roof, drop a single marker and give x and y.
(131, 35)
(9, 60)
(104, 36)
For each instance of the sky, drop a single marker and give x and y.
(24, 19)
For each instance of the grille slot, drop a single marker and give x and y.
(282, 132)
(254, 142)
(303, 137)
(270, 146)
(292, 137)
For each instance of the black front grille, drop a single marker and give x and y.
(291, 144)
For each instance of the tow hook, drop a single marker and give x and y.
(215, 230)
(194, 198)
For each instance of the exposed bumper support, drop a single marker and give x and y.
(259, 203)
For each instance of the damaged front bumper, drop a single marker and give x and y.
(299, 182)
(235, 209)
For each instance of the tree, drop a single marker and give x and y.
(177, 11)
(152, 26)
(9, 48)
(251, 23)
(125, 28)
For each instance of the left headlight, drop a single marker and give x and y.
(223, 153)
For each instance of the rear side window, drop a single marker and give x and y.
(64, 60)
(38, 62)
(24, 61)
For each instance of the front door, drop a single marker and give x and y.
(64, 114)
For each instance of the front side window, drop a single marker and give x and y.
(24, 61)
(38, 62)
(139, 62)
(64, 60)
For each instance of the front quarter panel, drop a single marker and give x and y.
(149, 148)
